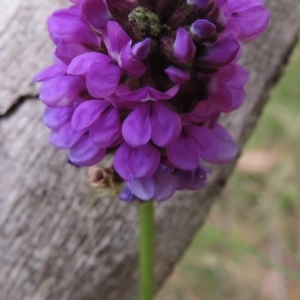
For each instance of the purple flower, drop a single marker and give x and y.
(146, 82)
(248, 19)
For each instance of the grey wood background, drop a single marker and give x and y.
(53, 244)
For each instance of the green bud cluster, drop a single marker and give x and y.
(145, 23)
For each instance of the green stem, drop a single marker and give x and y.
(146, 212)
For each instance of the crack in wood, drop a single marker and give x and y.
(17, 104)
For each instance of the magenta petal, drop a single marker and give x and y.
(252, 22)
(222, 52)
(165, 185)
(236, 6)
(67, 51)
(219, 101)
(157, 95)
(102, 79)
(199, 180)
(140, 95)
(87, 113)
(146, 93)
(95, 13)
(203, 141)
(132, 66)
(237, 96)
(61, 90)
(131, 163)
(126, 195)
(177, 75)
(141, 50)
(83, 63)
(142, 188)
(226, 146)
(63, 25)
(183, 179)
(66, 137)
(222, 99)
(166, 125)
(200, 4)
(51, 72)
(182, 155)
(136, 128)
(55, 118)
(107, 129)
(226, 73)
(203, 29)
(240, 77)
(204, 109)
(85, 153)
(117, 39)
(121, 103)
(184, 48)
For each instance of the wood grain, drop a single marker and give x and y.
(53, 244)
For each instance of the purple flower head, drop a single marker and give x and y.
(145, 82)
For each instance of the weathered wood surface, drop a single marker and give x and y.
(53, 245)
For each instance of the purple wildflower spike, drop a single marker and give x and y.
(146, 82)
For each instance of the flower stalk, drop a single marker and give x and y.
(146, 259)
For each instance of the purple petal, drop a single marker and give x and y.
(184, 48)
(182, 155)
(183, 179)
(199, 178)
(203, 141)
(240, 77)
(236, 6)
(226, 73)
(237, 97)
(51, 72)
(146, 93)
(102, 79)
(200, 4)
(252, 22)
(55, 118)
(143, 188)
(95, 13)
(132, 66)
(66, 51)
(226, 146)
(127, 195)
(131, 163)
(177, 75)
(66, 137)
(157, 95)
(219, 101)
(85, 153)
(107, 129)
(64, 26)
(141, 50)
(136, 128)
(204, 108)
(221, 53)
(121, 103)
(203, 29)
(116, 40)
(165, 185)
(84, 62)
(87, 113)
(61, 90)
(166, 125)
